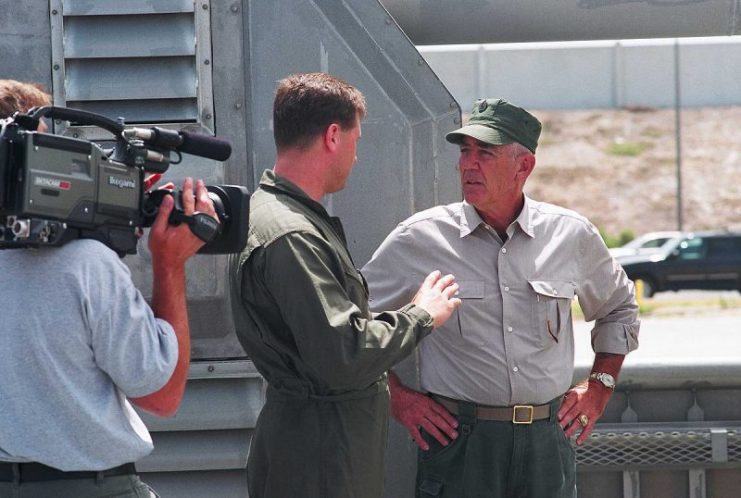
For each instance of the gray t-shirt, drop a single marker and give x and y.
(76, 338)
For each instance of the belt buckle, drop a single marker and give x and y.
(529, 409)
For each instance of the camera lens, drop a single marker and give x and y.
(21, 229)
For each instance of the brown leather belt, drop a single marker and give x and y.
(518, 414)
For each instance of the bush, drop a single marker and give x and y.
(625, 236)
(631, 149)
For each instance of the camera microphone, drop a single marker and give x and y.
(205, 146)
(183, 141)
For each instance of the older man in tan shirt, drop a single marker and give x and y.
(498, 382)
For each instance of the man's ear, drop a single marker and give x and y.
(332, 137)
(525, 166)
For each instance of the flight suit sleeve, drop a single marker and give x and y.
(324, 303)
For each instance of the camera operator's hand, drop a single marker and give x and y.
(175, 244)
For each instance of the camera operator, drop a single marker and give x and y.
(78, 339)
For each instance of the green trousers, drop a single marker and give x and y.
(331, 447)
(499, 460)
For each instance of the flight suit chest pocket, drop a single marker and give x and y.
(356, 287)
(551, 309)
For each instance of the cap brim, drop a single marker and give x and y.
(481, 133)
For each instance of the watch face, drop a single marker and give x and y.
(605, 378)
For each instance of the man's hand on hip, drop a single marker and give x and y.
(584, 403)
(414, 410)
(582, 407)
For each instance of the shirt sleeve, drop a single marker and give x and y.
(387, 273)
(138, 351)
(607, 296)
(345, 347)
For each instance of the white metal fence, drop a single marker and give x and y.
(595, 74)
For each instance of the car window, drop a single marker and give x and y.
(724, 248)
(692, 249)
(654, 243)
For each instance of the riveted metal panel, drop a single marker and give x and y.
(25, 42)
(202, 450)
(404, 163)
(197, 451)
(238, 400)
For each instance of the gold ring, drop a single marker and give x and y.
(583, 420)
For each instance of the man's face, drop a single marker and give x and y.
(346, 155)
(488, 174)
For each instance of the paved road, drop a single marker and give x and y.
(710, 336)
(687, 295)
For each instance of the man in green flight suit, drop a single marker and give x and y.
(306, 320)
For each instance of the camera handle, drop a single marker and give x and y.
(78, 116)
(203, 226)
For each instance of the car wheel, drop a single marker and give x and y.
(649, 287)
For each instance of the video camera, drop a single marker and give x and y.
(55, 189)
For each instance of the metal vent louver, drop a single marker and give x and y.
(146, 61)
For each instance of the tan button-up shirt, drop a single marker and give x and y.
(511, 341)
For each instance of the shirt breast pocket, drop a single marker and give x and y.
(551, 309)
(469, 313)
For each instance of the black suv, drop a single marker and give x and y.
(700, 260)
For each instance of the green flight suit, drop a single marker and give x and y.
(306, 324)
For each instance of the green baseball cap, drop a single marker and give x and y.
(497, 122)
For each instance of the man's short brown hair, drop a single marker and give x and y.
(307, 103)
(19, 96)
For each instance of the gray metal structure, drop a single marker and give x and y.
(438, 22)
(211, 66)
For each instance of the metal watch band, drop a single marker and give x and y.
(605, 379)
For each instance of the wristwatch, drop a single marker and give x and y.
(606, 379)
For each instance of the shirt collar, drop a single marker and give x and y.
(525, 218)
(277, 183)
(470, 218)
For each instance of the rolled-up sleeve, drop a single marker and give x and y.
(607, 296)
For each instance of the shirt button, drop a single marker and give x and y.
(506, 289)
(504, 250)
(515, 369)
(509, 329)
(555, 292)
